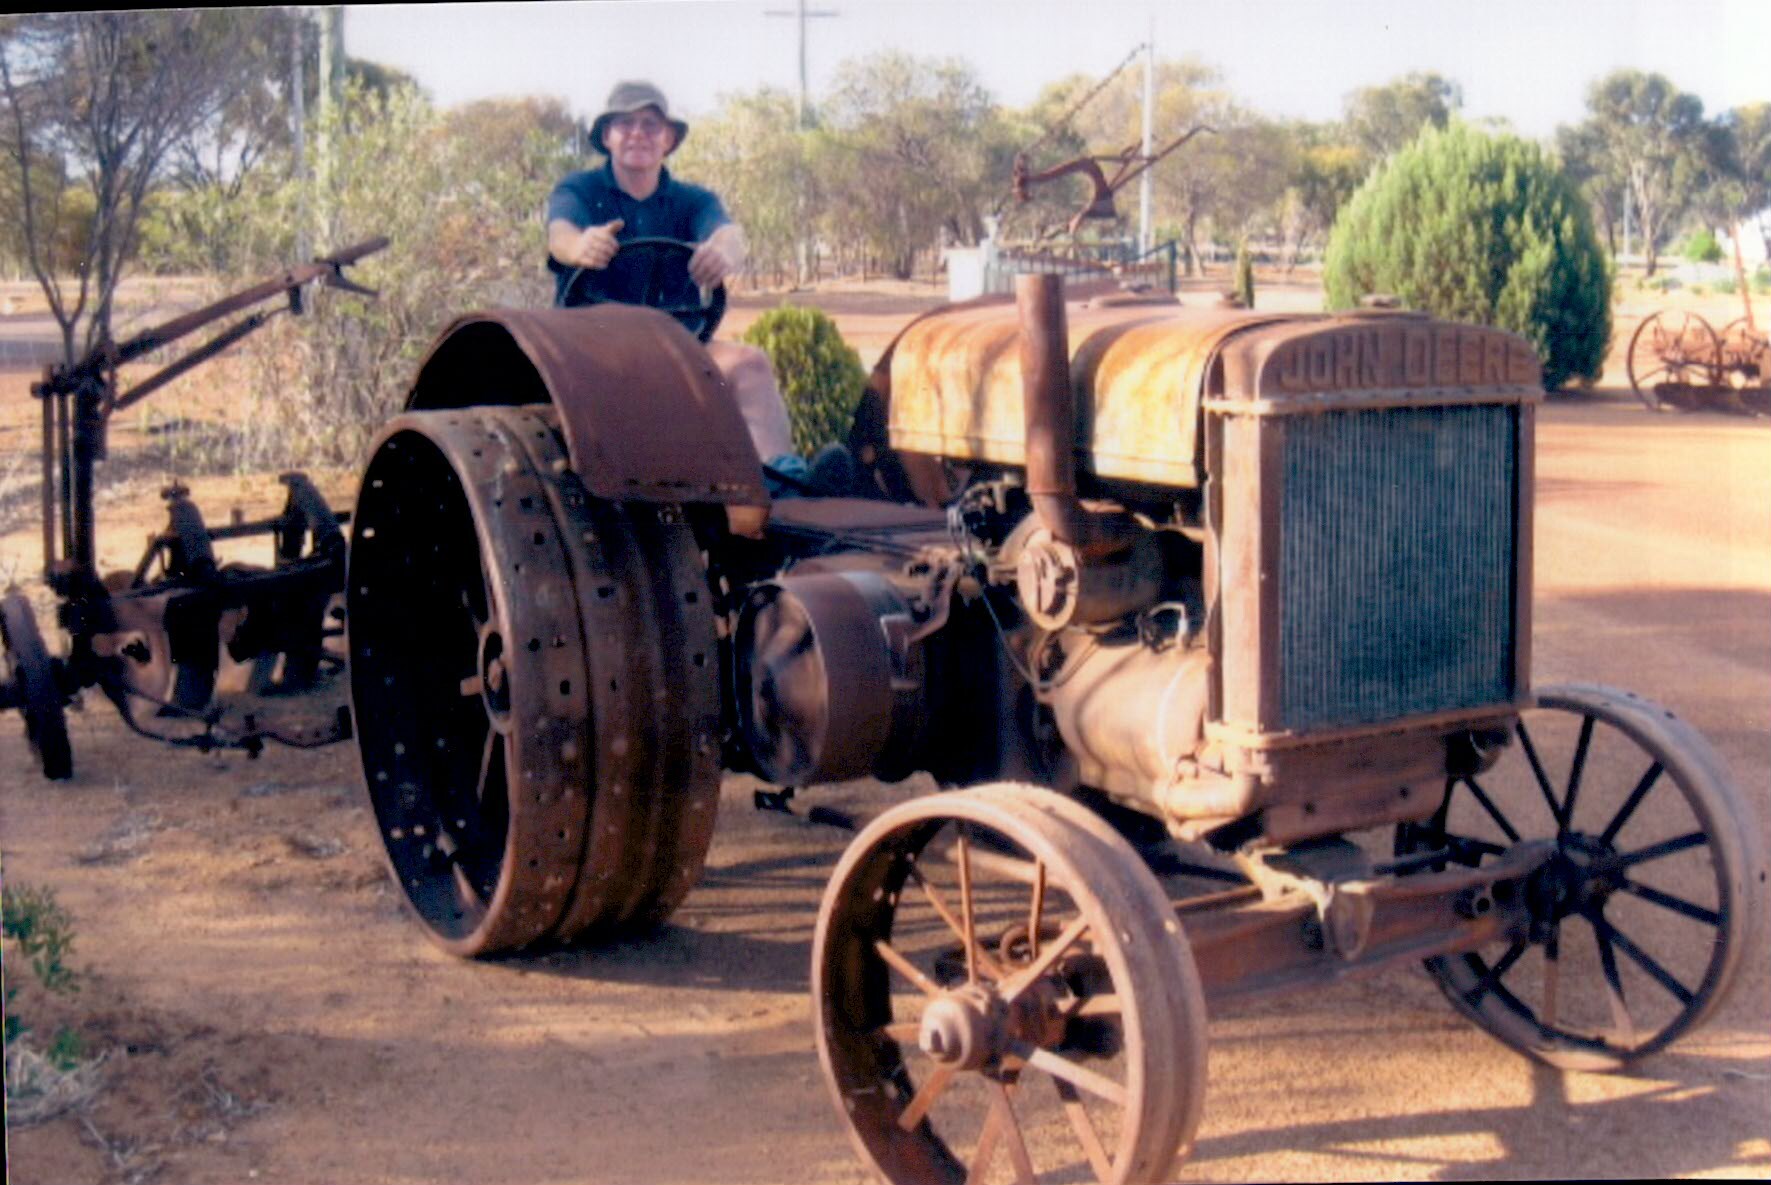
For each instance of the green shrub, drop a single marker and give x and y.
(1244, 277)
(1724, 285)
(820, 374)
(1485, 229)
(1762, 279)
(1701, 247)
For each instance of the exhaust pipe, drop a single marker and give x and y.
(1049, 403)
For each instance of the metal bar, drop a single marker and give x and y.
(47, 491)
(296, 277)
(201, 354)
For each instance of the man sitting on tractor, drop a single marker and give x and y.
(592, 213)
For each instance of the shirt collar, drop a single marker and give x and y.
(609, 176)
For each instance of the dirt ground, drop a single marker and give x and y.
(268, 1012)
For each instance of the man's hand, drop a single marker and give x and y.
(720, 256)
(592, 247)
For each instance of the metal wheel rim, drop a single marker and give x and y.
(1521, 991)
(483, 820)
(1663, 385)
(31, 672)
(1747, 347)
(905, 1116)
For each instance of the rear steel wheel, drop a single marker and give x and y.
(1672, 360)
(1640, 919)
(1001, 984)
(534, 686)
(31, 687)
(1746, 364)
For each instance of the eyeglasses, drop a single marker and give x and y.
(637, 125)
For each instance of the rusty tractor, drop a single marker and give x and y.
(1214, 622)
(152, 639)
(1678, 362)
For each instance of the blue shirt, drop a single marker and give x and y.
(675, 210)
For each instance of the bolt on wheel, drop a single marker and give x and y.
(1639, 920)
(1002, 987)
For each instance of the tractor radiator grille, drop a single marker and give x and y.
(1396, 580)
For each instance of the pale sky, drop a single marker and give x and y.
(1527, 61)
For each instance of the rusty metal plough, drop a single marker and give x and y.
(153, 638)
(1678, 361)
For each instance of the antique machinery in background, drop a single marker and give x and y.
(1678, 361)
(154, 637)
(1216, 622)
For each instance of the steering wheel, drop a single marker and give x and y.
(666, 264)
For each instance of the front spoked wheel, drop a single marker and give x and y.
(1640, 918)
(1003, 993)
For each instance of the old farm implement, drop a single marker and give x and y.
(151, 639)
(1678, 361)
(1160, 594)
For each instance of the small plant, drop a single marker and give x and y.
(41, 931)
(819, 373)
(1724, 286)
(1702, 247)
(1761, 280)
(1244, 277)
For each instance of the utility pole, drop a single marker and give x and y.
(1144, 233)
(298, 122)
(802, 13)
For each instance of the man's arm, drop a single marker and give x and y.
(720, 255)
(583, 246)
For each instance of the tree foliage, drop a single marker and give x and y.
(1647, 137)
(1484, 229)
(907, 156)
(97, 102)
(464, 213)
(1385, 119)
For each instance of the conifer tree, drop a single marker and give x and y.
(1484, 229)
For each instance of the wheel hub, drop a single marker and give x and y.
(964, 1029)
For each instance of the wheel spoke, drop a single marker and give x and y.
(1011, 1129)
(1576, 768)
(966, 920)
(903, 1031)
(1049, 956)
(1495, 973)
(1092, 1148)
(906, 968)
(988, 1138)
(488, 763)
(1666, 847)
(1642, 959)
(1632, 802)
(1543, 779)
(1500, 820)
(1035, 909)
(1620, 1009)
(1105, 1004)
(925, 1097)
(1076, 1075)
(989, 965)
(1552, 975)
(1667, 901)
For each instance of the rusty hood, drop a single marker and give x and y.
(1143, 371)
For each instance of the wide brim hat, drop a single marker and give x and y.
(625, 99)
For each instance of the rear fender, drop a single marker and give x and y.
(644, 410)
